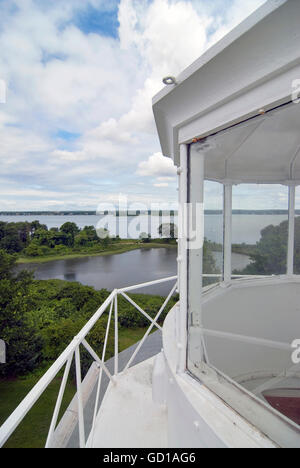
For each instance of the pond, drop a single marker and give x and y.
(119, 271)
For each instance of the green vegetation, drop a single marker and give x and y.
(242, 249)
(39, 417)
(34, 240)
(38, 319)
(35, 243)
(69, 239)
(24, 346)
(269, 256)
(168, 231)
(33, 430)
(117, 247)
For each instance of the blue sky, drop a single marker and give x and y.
(77, 127)
(98, 21)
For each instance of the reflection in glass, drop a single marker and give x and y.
(260, 228)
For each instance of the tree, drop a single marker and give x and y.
(209, 264)
(23, 230)
(49, 239)
(33, 250)
(145, 238)
(90, 232)
(7, 262)
(35, 225)
(41, 237)
(102, 233)
(270, 256)
(87, 237)
(168, 231)
(23, 344)
(81, 239)
(104, 236)
(72, 230)
(14, 237)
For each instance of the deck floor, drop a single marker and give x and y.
(150, 348)
(128, 417)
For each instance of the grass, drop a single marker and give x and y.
(130, 336)
(119, 249)
(33, 430)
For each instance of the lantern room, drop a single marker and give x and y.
(231, 123)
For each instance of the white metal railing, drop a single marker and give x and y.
(66, 358)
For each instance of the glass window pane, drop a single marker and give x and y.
(297, 233)
(259, 229)
(241, 334)
(213, 231)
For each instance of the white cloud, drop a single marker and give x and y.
(156, 166)
(168, 36)
(59, 77)
(110, 130)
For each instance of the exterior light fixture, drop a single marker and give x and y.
(169, 80)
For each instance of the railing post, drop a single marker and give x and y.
(79, 398)
(182, 259)
(58, 402)
(227, 233)
(101, 371)
(291, 231)
(137, 349)
(196, 177)
(116, 336)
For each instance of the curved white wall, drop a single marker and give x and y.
(269, 311)
(197, 418)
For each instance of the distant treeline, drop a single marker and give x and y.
(137, 213)
(252, 212)
(87, 213)
(46, 213)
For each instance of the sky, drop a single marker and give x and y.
(77, 128)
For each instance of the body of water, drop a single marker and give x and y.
(121, 270)
(239, 262)
(139, 266)
(114, 271)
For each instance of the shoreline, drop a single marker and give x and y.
(118, 251)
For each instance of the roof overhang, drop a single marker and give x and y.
(263, 149)
(252, 68)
